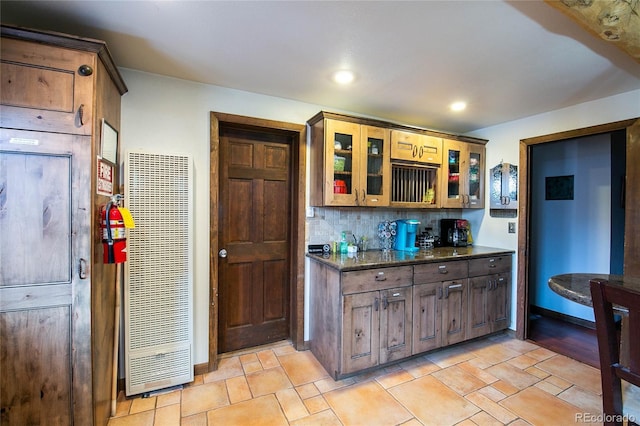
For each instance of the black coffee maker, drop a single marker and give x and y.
(454, 232)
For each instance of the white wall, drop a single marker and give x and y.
(162, 114)
(167, 115)
(504, 142)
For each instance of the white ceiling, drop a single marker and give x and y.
(508, 60)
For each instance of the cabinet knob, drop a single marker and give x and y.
(85, 70)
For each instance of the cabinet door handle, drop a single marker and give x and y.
(357, 199)
(421, 151)
(364, 197)
(385, 303)
(443, 269)
(439, 292)
(380, 277)
(414, 151)
(451, 287)
(376, 304)
(81, 114)
(82, 269)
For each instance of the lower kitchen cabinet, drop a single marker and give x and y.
(361, 331)
(454, 311)
(427, 317)
(376, 328)
(489, 295)
(364, 318)
(396, 317)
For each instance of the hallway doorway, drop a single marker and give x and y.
(631, 254)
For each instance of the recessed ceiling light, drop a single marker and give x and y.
(343, 77)
(458, 106)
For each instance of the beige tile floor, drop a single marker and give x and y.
(497, 380)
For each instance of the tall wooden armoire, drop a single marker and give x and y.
(57, 298)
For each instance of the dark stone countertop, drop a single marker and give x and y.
(575, 287)
(379, 259)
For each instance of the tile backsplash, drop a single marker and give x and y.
(329, 222)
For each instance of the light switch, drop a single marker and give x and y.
(512, 227)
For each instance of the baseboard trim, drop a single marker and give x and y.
(201, 368)
(562, 317)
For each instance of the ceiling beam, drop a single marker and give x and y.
(616, 21)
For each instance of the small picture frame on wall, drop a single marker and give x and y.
(558, 188)
(109, 148)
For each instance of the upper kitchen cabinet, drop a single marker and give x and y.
(463, 174)
(370, 163)
(349, 162)
(415, 164)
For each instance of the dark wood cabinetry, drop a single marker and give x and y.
(449, 280)
(57, 299)
(372, 316)
(376, 317)
(489, 295)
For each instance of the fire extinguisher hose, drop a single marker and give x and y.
(110, 254)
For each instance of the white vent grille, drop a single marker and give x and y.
(159, 272)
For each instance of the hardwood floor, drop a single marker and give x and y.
(574, 341)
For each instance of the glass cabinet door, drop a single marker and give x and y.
(342, 141)
(463, 167)
(375, 171)
(475, 176)
(453, 175)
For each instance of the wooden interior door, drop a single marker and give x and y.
(44, 241)
(253, 237)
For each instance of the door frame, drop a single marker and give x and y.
(297, 224)
(632, 218)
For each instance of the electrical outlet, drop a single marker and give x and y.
(310, 212)
(512, 227)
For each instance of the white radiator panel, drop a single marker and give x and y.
(158, 292)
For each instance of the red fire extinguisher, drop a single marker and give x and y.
(114, 236)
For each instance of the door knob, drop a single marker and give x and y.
(222, 253)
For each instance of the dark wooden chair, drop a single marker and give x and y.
(620, 383)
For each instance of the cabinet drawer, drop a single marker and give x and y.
(489, 265)
(415, 147)
(376, 279)
(435, 272)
